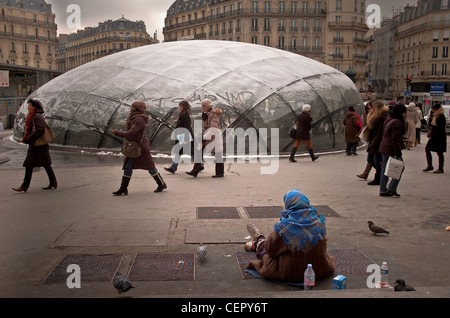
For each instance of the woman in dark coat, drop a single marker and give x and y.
(37, 156)
(438, 139)
(183, 131)
(375, 124)
(304, 122)
(353, 127)
(391, 146)
(136, 124)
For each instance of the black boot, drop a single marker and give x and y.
(313, 156)
(161, 184)
(220, 170)
(292, 157)
(196, 170)
(429, 162)
(441, 165)
(376, 181)
(123, 187)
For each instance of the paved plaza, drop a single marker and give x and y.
(81, 222)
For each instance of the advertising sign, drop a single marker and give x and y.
(4, 78)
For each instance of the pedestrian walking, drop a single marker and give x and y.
(304, 121)
(183, 132)
(37, 156)
(298, 239)
(391, 147)
(367, 109)
(135, 131)
(212, 136)
(438, 139)
(419, 124)
(411, 120)
(353, 127)
(375, 123)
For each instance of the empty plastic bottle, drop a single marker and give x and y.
(384, 279)
(309, 278)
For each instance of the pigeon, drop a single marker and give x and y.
(400, 285)
(122, 283)
(376, 229)
(201, 252)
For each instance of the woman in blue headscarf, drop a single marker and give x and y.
(298, 239)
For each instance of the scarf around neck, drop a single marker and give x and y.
(29, 122)
(301, 226)
(133, 116)
(436, 114)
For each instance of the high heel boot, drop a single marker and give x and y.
(161, 184)
(123, 187)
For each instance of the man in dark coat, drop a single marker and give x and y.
(304, 122)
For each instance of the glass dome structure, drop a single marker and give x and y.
(256, 87)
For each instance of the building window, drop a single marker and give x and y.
(435, 52)
(254, 40)
(266, 24)
(305, 6)
(444, 69)
(254, 6)
(281, 42)
(445, 51)
(254, 24)
(338, 5)
(433, 69)
(294, 7)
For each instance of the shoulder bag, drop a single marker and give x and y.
(132, 149)
(46, 138)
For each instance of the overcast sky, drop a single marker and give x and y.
(152, 12)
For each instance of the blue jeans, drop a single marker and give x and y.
(375, 161)
(128, 171)
(384, 180)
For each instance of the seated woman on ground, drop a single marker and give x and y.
(298, 239)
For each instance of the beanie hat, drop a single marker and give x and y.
(140, 106)
(306, 108)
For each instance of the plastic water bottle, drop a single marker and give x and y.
(384, 271)
(309, 278)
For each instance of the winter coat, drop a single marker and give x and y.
(375, 123)
(209, 135)
(137, 130)
(438, 139)
(282, 264)
(412, 118)
(392, 143)
(353, 127)
(37, 156)
(304, 122)
(184, 121)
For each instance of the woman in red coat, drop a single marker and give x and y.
(37, 156)
(136, 124)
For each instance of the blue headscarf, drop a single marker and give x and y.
(301, 226)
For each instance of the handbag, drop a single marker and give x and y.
(132, 149)
(394, 168)
(364, 135)
(46, 138)
(293, 133)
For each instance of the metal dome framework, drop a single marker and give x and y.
(256, 86)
